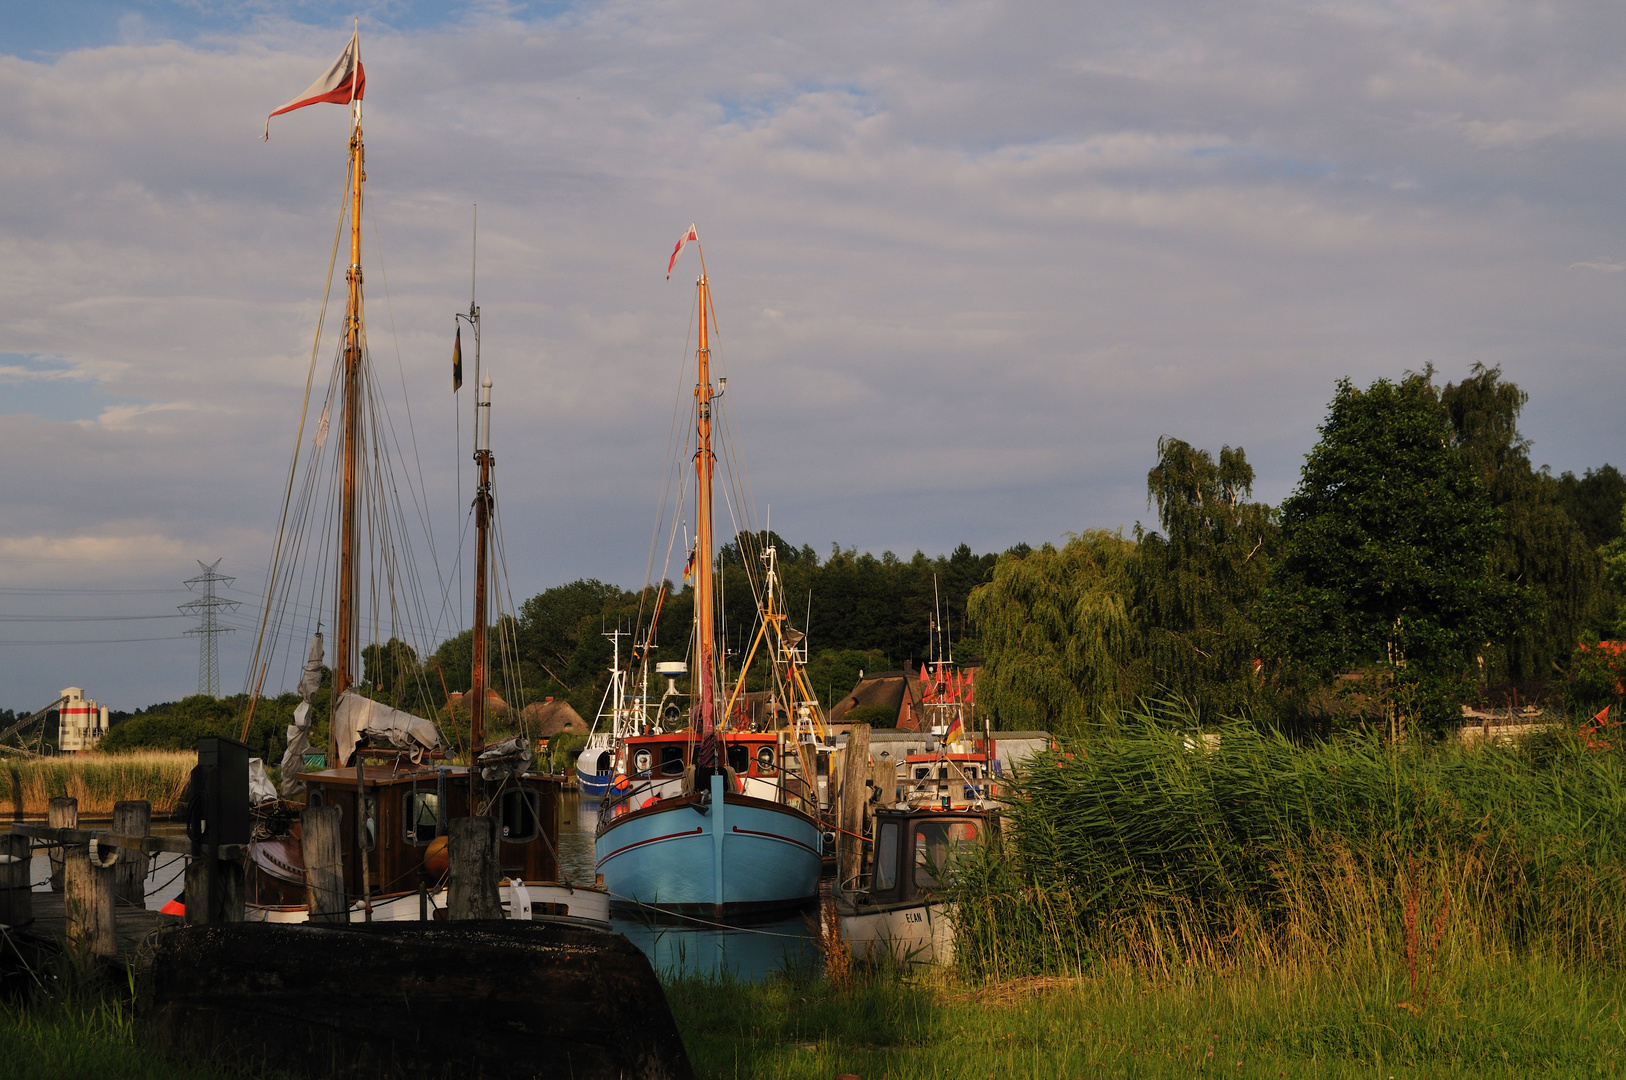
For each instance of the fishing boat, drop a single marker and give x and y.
(389, 772)
(717, 818)
(898, 912)
(619, 716)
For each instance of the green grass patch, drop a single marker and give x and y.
(1508, 1020)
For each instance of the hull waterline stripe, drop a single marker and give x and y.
(652, 840)
(781, 839)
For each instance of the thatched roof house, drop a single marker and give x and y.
(551, 717)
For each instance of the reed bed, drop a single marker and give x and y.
(100, 780)
(1147, 848)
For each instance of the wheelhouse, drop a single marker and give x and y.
(915, 848)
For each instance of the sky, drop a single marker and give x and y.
(970, 261)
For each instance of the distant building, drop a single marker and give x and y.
(905, 695)
(83, 722)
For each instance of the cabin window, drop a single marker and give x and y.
(671, 761)
(765, 765)
(936, 844)
(922, 773)
(520, 815)
(315, 798)
(369, 815)
(642, 759)
(886, 858)
(739, 757)
(603, 767)
(420, 811)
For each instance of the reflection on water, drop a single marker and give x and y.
(750, 950)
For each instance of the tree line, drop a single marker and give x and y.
(1421, 562)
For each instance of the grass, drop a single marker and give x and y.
(77, 1027)
(99, 780)
(1144, 847)
(1507, 1020)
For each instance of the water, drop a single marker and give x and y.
(165, 874)
(751, 951)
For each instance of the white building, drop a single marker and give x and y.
(83, 722)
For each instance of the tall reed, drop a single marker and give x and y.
(98, 780)
(1148, 847)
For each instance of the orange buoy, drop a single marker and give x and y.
(437, 859)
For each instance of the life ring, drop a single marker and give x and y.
(739, 783)
(651, 801)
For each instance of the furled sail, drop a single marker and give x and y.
(356, 717)
(299, 744)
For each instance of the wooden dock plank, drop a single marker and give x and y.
(134, 927)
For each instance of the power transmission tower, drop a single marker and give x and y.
(207, 607)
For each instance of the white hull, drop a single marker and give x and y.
(577, 903)
(916, 933)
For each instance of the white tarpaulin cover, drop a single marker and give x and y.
(260, 788)
(356, 717)
(299, 744)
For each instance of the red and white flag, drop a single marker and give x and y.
(690, 235)
(344, 82)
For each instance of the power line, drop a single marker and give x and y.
(207, 608)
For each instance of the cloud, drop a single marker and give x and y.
(970, 259)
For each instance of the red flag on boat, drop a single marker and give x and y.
(344, 82)
(684, 239)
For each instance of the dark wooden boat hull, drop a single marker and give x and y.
(495, 999)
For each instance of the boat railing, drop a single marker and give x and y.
(790, 790)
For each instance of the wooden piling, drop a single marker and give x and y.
(131, 818)
(854, 794)
(199, 890)
(324, 864)
(16, 890)
(62, 813)
(88, 902)
(471, 891)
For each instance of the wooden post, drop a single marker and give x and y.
(471, 891)
(60, 814)
(201, 884)
(88, 903)
(230, 874)
(324, 864)
(131, 818)
(16, 890)
(854, 791)
(885, 778)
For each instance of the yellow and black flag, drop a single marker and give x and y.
(457, 361)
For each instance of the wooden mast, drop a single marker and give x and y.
(482, 524)
(705, 462)
(346, 622)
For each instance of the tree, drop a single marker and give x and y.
(1194, 584)
(1055, 631)
(1545, 559)
(1595, 502)
(1386, 551)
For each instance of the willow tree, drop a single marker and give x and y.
(1195, 583)
(1055, 632)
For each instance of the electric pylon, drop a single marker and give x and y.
(208, 626)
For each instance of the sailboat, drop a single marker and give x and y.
(718, 818)
(388, 771)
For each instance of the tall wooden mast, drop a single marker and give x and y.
(346, 621)
(482, 526)
(705, 462)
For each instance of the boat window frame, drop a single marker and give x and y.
(409, 814)
(530, 797)
(672, 754)
(888, 886)
(952, 847)
(770, 767)
(367, 812)
(739, 757)
(649, 752)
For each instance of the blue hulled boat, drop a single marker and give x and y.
(719, 818)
